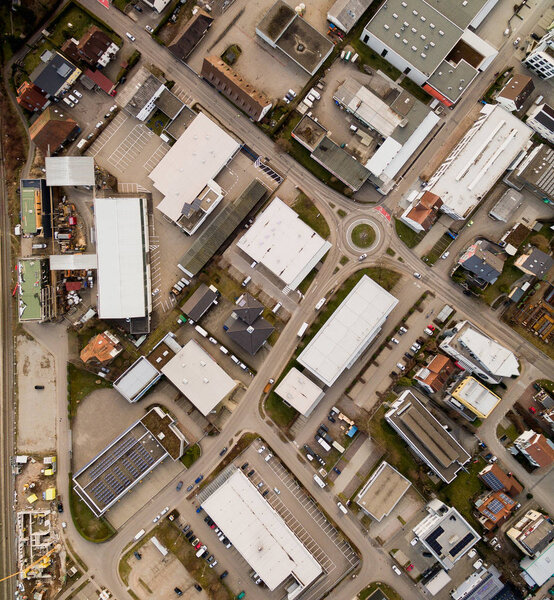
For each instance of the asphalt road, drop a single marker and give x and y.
(375, 564)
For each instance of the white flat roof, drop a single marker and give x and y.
(476, 163)
(198, 376)
(299, 391)
(383, 491)
(63, 262)
(69, 170)
(121, 247)
(137, 377)
(498, 359)
(283, 243)
(477, 396)
(541, 567)
(259, 534)
(348, 331)
(195, 159)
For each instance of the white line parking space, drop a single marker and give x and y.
(162, 150)
(182, 95)
(126, 153)
(119, 120)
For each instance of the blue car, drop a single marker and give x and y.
(199, 479)
(199, 509)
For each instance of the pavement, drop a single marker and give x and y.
(375, 565)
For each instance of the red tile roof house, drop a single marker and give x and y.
(31, 97)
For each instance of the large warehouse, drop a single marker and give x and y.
(283, 243)
(185, 175)
(348, 331)
(123, 266)
(260, 535)
(198, 376)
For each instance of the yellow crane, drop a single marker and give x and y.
(56, 548)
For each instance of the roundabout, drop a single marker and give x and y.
(363, 235)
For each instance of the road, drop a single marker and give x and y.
(375, 564)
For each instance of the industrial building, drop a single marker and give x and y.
(34, 293)
(432, 43)
(348, 332)
(200, 302)
(185, 175)
(478, 160)
(36, 207)
(128, 459)
(382, 492)
(475, 396)
(483, 584)
(299, 391)
(479, 354)
(280, 241)
(345, 13)
(261, 536)
(426, 436)
(69, 170)
(198, 377)
(509, 202)
(538, 570)
(400, 121)
(534, 171)
(122, 247)
(445, 533)
(137, 379)
(284, 29)
(532, 533)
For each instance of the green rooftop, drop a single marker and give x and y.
(30, 285)
(31, 202)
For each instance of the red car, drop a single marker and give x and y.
(409, 567)
(198, 545)
(533, 409)
(432, 328)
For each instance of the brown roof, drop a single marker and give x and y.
(30, 96)
(500, 513)
(514, 87)
(101, 348)
(541, 451)
(423, 212)
(439, 370)
(186, 40)
(510, 483)
(52, 129)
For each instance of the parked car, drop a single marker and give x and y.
(394, 341)
(77, 93)
(396, 570)
(223, 451)
(276, 490)
(428, 331)
(401, 366)
(417, 275)
(244, 466)
(179, 486)
(224, 574)
(131, 37)
(445, 255)
(331, 418)
(197, 587)
(138, 556)
(149, 29)
(60, 507)
(261, 449)
(156, 519)
(250, 473)
(190, 487)
(178, 591)
(402, 330)
(164, 511)
(199, 479)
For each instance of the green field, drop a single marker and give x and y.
(80, 384)
(309, 213)
(363, 235)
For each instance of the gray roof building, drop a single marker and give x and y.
(341, 164)
(345, 13)
(54, 74)
(480, 260)
(535, 172)
(536, 263)
(199, 303)
(509, 202)
(245, 325)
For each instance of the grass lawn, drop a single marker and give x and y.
(79, 385)
(389, 592)
(307, 281)
(80, 21)
(416, 91)
(546, 384)
(309, 213)
(463, 489)
(510, 431)
(282, 414)
(438, 249)
(407, 235)
(502, 285)
(174, 540)
(363, 235)
(191, 455)
(344, 260)
(372, 59)
(90, 527)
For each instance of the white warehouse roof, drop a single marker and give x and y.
(198, 376)
(299, 392)
(71, 262)
(194, 160)
(478, 160)
(259, 534)
(122, 249)
(283, 243)
(69, 170)
(348, 331)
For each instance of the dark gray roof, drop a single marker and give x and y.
(195, 29)
(197, 305)
(50, 76)
(479, 267)
(169, 104)
(249, 337)
(143, 95)
(546, 117)
(538, 263)
(225, 222)
(250, 309)
(340, 164)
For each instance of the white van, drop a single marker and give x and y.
(319, 481)
(69, 103)
(320, 303)
(276, 308)
(342, 508)
(235, 359)
(201, 331)
(224, 350)
(302, 329)
(139, 534)
(246, 281)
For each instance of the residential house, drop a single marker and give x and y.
(55, 74)
(513, 95)
(532, 533)
(191, 35)
(434, 376)
(245, 325)
(96, 48)
(483, 261)
(497, 480)
(535, 262)
(537, 449)
(421, 215)
(52, 129)
(494, 508)
(513, 238)
(541, 120)
(30, 97)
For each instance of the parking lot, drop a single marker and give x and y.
(294, 504)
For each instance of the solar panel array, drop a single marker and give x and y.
(493, 482)
(432, 540)
(462, 544)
